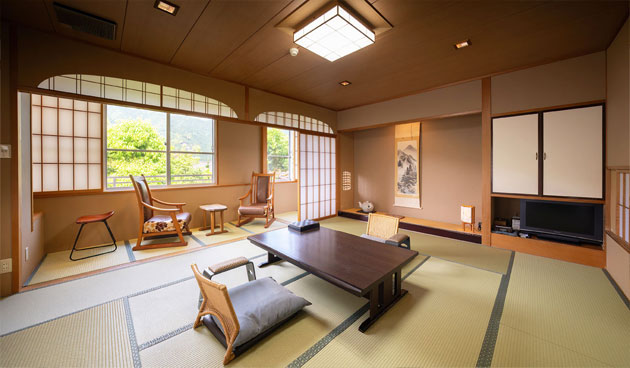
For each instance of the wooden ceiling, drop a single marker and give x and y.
(237, 40)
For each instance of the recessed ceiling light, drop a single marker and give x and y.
(461, 45)
(334, 34)
(345, 83)
(166, 7)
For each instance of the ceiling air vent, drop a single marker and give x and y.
(84, 22)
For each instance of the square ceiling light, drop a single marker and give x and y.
(334, 34)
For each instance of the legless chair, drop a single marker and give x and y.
(384, 229)
(261, 305)
(261, 201)
(175, 222)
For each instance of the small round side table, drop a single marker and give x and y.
(213, 208)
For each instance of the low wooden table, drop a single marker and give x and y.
(360, 266)
(212, 208)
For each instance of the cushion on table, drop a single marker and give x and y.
(260, 305)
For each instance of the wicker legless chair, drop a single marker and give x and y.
(385, 228)
(216, 301)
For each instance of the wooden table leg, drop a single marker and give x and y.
(221, 212)
(204, 220)
(382, 297)
(271, 258)
(212, 223)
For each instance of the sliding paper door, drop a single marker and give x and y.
(318, 186)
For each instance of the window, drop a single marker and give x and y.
(293, 121)
(66, 145)
(281, 153)
(623, 205)
(169, 149)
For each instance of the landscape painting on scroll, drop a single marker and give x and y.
(407, 168)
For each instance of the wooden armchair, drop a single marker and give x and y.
(261, 201)
(175, 222)
(384, 228)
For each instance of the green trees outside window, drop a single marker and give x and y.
(280, 153)
(169, 149)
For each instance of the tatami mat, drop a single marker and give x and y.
(475, 255)
(57, 265)
(97, 337)
(288, 216)
(194, 348)
(257, 226)
(441, 322)
(568, 305)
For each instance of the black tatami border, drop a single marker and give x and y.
(623, 296)
(492, 332)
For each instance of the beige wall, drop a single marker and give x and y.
(618, 99)
(450, 168)
(618, 264)
(346, 163)
(461, 98)
(575, 80)
(5, 164)
(239, 153)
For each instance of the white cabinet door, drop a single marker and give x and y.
(515, 154)
(572, 141)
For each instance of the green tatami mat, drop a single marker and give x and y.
(475, 255)
(441, 322)
(97, 337)
(561, 304)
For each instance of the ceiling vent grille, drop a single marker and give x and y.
(84, 22)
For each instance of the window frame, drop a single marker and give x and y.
(293, 153)
(167, 151)
(621, 206)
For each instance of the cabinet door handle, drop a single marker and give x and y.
(545, 156)
(536, 155)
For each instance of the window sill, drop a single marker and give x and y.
(286, 181)
(130, 190)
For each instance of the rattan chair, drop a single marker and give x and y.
(261, 201)
(384, 228)
(175, 222)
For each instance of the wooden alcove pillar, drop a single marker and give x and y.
(486, 160)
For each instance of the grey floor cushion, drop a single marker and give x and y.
(260, 305)
(375, 238)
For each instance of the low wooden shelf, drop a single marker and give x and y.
(588, 255)
(454, 231)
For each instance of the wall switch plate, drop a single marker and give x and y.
(6, 265)
(5, 151)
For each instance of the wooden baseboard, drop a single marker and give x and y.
(586, 255)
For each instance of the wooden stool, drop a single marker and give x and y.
(212, 208)
(83, 220)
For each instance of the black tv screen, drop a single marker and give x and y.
(582, 221)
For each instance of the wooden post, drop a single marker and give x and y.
(486, 160)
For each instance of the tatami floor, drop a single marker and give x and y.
(468, 305)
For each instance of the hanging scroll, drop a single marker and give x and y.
(407, 165)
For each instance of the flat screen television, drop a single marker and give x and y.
(576, 222)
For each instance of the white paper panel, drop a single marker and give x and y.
(49, 149)
(90, 89)
(627, 201)
(80, 105)
(134, 96)
(37, 177)
(36, 149)
(65, 150)
(168, 101)
(94, 151)
(49, 120)
(80, 150)
(94, 107)
(80, 124)
(185, 104)
(94, 125)
(152, 99)
(94, 176)
(36, 120)
(115, 93)
(80, 177)
(65, 103)
(36, 99)
(65, 177)
(65, 122)
(50, 177)
(49, 101)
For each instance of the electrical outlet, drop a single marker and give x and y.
(6, 265)
(5, 151)
(26, 254)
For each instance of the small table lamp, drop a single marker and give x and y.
(468, 217)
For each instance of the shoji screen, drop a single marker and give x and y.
(317, 177)
(66, 144)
